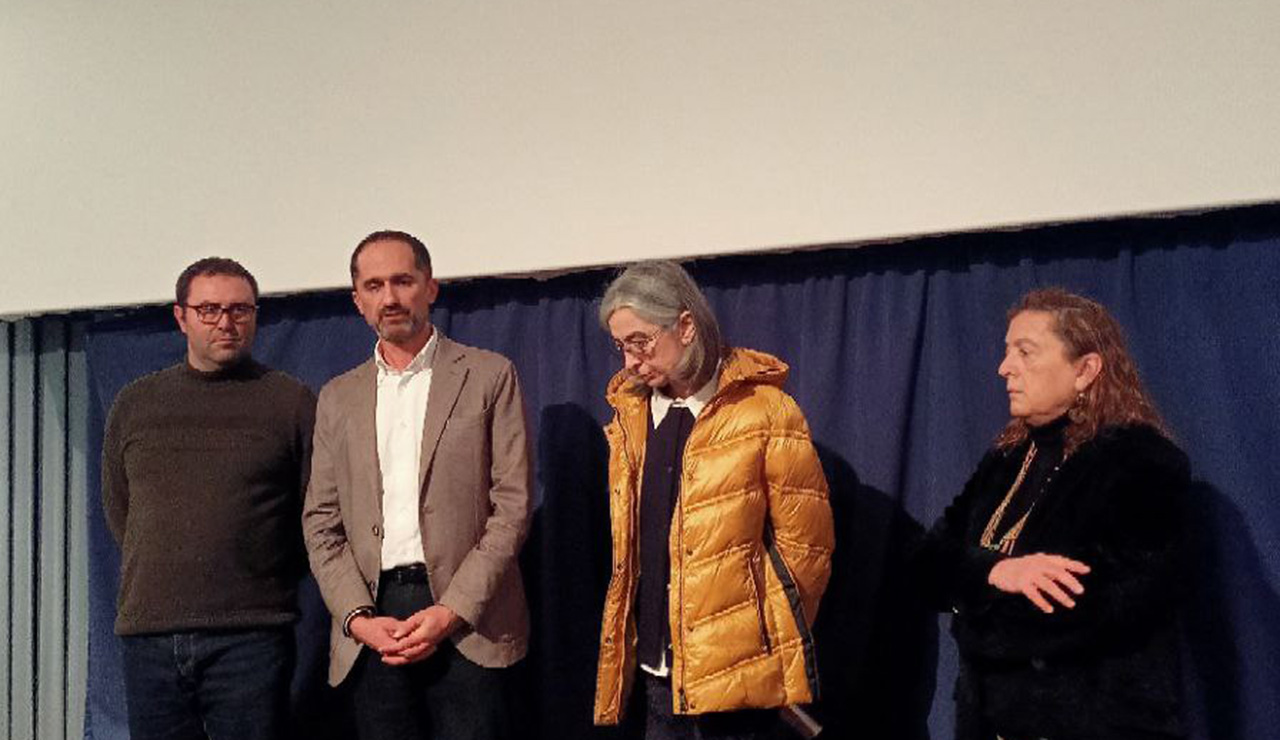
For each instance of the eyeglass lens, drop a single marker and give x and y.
(210, 313)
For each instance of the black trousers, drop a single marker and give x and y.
(444, 697)
(651, 718)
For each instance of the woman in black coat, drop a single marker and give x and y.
(1060, 557)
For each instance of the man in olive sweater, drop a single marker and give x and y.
(204, 465)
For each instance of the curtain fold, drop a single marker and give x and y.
(43, 503)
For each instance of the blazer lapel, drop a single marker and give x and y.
(447, 376)
(364, 432)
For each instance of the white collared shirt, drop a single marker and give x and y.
(401, 415)
(659, 404)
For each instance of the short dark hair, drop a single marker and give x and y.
(421, 257)
(212, 266)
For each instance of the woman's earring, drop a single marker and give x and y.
(1076, 412)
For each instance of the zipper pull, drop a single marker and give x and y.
(684, 705)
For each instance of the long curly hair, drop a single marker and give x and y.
(1116, 396)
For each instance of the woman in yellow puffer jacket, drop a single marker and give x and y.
(722, 531)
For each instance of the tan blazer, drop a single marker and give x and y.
(474, 510)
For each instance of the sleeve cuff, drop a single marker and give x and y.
(359, 611)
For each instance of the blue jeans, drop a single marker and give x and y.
(220, 685)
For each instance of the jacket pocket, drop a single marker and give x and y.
(758, 586)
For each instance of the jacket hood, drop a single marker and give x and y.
(739, 366)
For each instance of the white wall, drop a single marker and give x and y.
(136, 136)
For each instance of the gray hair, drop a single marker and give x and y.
(658, 292)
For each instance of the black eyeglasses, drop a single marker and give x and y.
(211, 313)
(638, 344)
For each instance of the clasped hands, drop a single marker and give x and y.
(1042, 578)
(405, 641)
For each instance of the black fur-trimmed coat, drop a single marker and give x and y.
(1108, 667)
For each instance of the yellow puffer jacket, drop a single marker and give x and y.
(750, 548)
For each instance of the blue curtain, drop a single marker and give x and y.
(893, 352)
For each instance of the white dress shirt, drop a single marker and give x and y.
(659, 404)
(401, 415)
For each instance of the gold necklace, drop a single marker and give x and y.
(1005, 545)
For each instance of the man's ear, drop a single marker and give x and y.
(179, 315)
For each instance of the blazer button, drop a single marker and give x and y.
(377, 531)
(373, 587)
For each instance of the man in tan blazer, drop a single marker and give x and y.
(416, 509)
